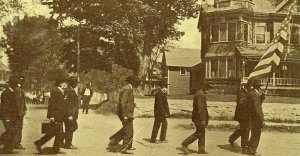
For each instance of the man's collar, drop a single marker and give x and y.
(130, 85)
(256, 90)
(61, 89)
(10, 89)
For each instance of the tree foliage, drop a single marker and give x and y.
(8, 6)
(34, 49)
(128, 30)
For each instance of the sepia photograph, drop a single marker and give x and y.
(150, 77)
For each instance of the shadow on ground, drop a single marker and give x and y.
(182, 152)
(229, 148)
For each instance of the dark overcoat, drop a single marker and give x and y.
(72, 102)
(242, 111)
(200, 113)
(57, 107)
(9, 106)
(126, 102)
(161, 107)
(256, 111)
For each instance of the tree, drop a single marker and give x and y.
(128, 30)
(8, 7)
(35, 50)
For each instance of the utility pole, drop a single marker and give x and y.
(78, 62)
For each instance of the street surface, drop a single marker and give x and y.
(94, 130)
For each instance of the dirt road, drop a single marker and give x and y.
(94, 131)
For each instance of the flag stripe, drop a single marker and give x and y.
(260, 72)
(274, 58)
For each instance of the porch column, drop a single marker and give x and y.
(274, 79)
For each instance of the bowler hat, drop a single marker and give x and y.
(205, 83)
(60, 80)
(73, 79)
(133, 79)
(162, 83)
(256, 83)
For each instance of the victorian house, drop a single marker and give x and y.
(236, 33)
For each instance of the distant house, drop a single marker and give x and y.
(235, 35)
(4, 73)
(182, 70)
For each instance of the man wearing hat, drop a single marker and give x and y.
(125, 112)
(161, 113)
(9, 116)
(20, 100)
(256, 98)
(199, 118)
(242, 115)
(86, 95)
(73, 108)
(57, 112)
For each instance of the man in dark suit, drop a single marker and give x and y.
(256, 98)
(57, 112)
(199, 118)
(242, 115)
(73, 107)
(161, 113)
(126, 107)
(86, 95)
(9, 116)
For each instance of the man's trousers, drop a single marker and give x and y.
(125, 134)
(199, 134)
(159, 122)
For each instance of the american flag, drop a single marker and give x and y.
(271, 58)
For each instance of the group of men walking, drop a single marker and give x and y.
(63, 108)
(249, 114)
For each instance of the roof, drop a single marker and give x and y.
(263, 6)
(3, 67)
(221, 50)
(253, 50)
(183, 57)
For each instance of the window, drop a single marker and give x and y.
(223, 32)
(230, 68)
(260, 34)
(215, 33)
(240, 31)
(246, 32)
(295, 35)
(231, 31)
(222, 68)
(182, 71)
(214, 68)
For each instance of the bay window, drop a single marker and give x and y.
(220, 68)
(230, 31)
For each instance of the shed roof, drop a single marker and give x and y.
(183, 57)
